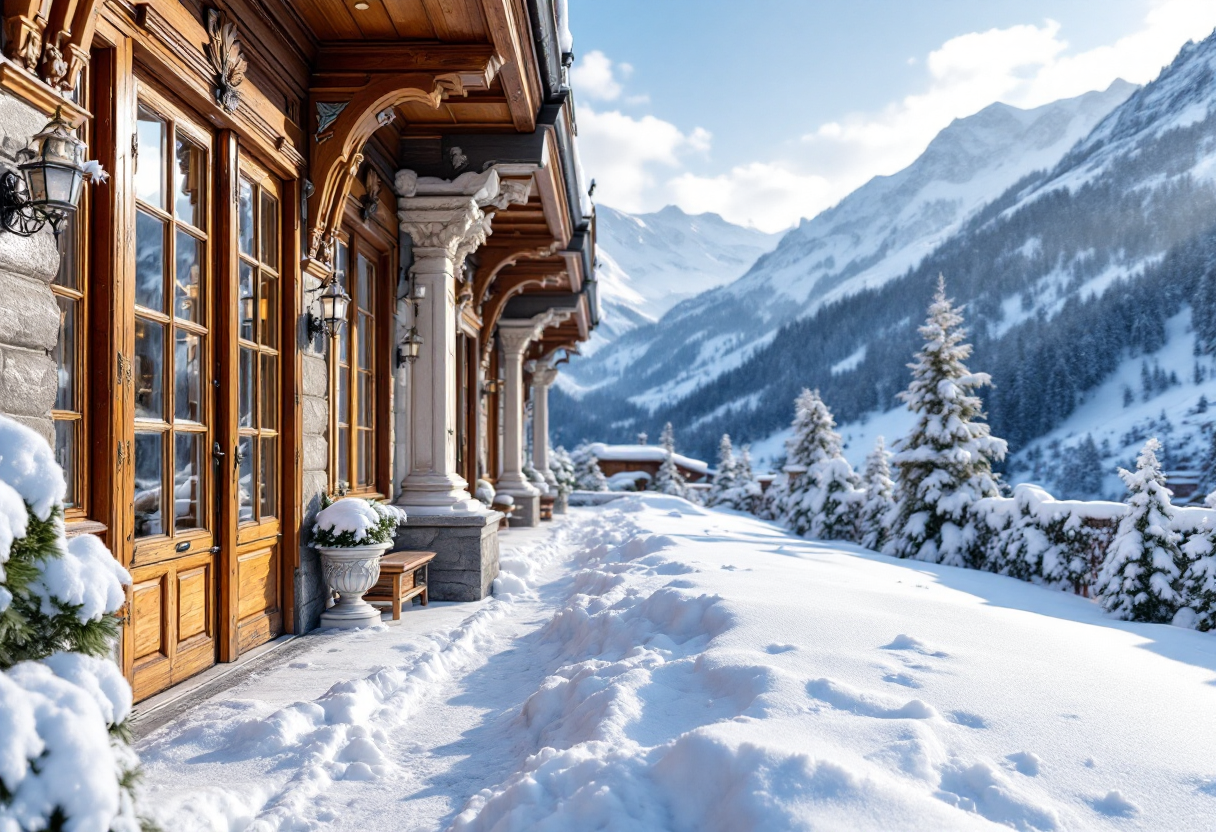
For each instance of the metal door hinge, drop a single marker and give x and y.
(215, 550)
(122, 454)
(135, 152)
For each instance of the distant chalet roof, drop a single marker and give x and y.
(644, 453)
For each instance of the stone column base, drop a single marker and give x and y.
(527, 510)
(466, 552)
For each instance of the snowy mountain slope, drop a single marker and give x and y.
(875, 234)
(1066, 276)
(650, 262)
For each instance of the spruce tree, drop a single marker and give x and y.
(724, 475)
(587, 471)
(879, 498)
(1139, 579)
(819, 499)
(945, 464)
(669, 480)
(1199, 579)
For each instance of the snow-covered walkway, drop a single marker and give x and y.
(649, 665)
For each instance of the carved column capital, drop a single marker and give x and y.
(543, 376)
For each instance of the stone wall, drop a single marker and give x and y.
(314, 401)
(29, 315)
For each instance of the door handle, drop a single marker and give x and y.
(237, 456)
(216, 452)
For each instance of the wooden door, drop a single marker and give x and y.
(251, 365)
(173, 514)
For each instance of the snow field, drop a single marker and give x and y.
(657, 666)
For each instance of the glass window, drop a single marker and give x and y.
(170, 363)
(353, 405)
(258, 362)
(70, 399)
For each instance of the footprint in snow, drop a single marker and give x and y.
(907, 642)
(844, 698)
(779, 648)
(968, 720)
(902, 679)
(1026, 762)
(1114, 804)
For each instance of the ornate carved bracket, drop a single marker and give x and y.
(50, 39)
(223, 50)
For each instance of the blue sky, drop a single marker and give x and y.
(770, 110)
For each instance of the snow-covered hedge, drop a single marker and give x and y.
(64, 759)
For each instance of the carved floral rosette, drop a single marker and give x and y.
(351, 571)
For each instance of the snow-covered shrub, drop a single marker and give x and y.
(945, 464)
(355, 521)
(1143, 568)
(587, 471)
(669, 480)
(823, 501)
(485, 492)
(535, 477)
(64, 758)
(562, 467)
(879, 500)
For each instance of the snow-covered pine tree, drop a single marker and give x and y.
(669, 480)
(945, 464)
(587, 471)
(747, 494)
(1199, 579)
(820, 501)
(64, 704)
(562, 468)
(724, 474)
(879, 500)
(1140, 576)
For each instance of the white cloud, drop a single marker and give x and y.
(640, 162)
(593, 77)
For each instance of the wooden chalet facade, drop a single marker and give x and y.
(421, 152)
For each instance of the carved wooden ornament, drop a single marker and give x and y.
(224, 52)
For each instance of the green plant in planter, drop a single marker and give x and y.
(355, 521)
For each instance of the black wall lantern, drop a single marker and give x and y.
(334, 302)
(52, 174)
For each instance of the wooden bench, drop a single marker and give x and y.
(403, 575)
(547, 501)
(507, 511)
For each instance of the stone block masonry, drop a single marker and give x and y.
(466, 547)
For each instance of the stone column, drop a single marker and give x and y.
(445, 223)
(543, 377)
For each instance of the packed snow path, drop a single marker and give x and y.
(649, 665)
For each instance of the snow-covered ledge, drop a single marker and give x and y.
(516, 335)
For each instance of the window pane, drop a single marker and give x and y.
(149, 466)
(247, 301)
(149, 369)
(365, 401)
(66, 445)
(246, 219)
(188, 368)
(367, 469)
(341, 262)
(149, 261)
(188, 471)
(270, 231)
(65, 354)
(245, 385)
(150, 164)
(363, 293)
(269, 477)
(344, 396)
(68, 275)
(270, 392)
(344, 455)
(268, 311)
(366, 334)
(188, 182)
(246, 484)
(343, 338)
(188, 278)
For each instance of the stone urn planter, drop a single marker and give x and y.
(351, 571)
(351, 535)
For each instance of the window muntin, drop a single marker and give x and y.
(258, 353)
(170, 370)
